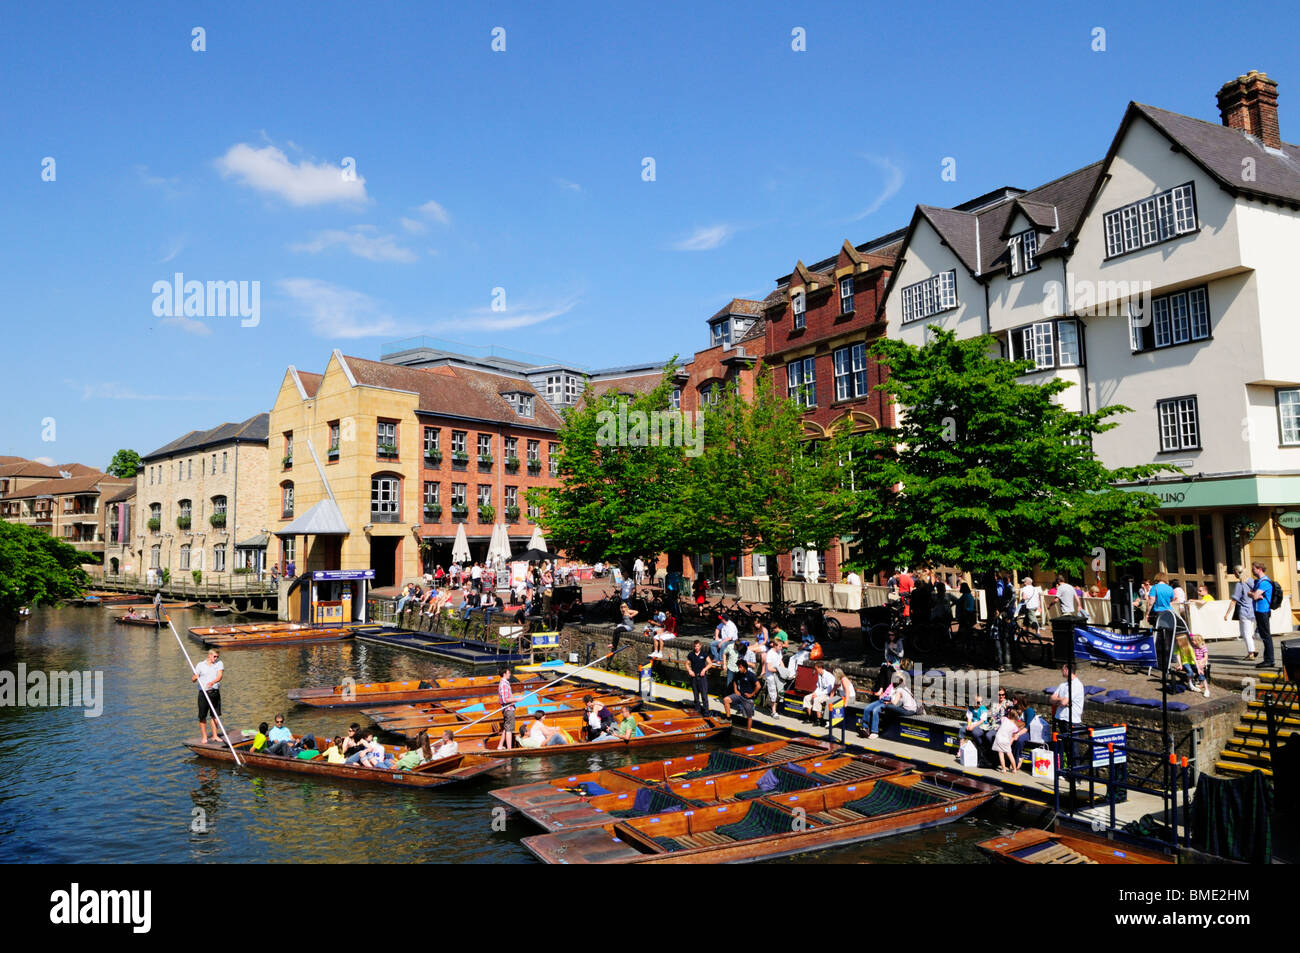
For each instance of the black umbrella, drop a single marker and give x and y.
(533, 556)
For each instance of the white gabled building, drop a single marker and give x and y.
(1158, 279)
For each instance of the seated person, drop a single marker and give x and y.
(489, 605)
(413, 757)
(281, 739)
(260, 740)
(599, 721)
(447, 747)
(351, 740)
(816, 704)
(469, 603)
(628, 616)
(365, 741)
(745, 688)
(375, 756)
(977, 722)
(894, 651)
(627, 728)
(334, 753)
(661, 633)
(899, 699)
(540, 734)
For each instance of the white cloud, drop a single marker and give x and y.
(570, 186)
(187, 324)
(174, 249)
(338, 312)
(48, 461)
(361, 242)
(112, 390)
(893, 182)
(705, 238)
(304, 183)
(414, 227)
(435, 212)
(485, 319)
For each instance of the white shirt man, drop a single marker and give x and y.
(476, 573)
(1068, 698)
(854, 579)
(817, 699)
(1030, 596)
(638, 568)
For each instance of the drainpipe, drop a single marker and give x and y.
(1083, 343)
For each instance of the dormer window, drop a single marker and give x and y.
(720, 334)
(1024, 250)
(797, 305)
(520, 403)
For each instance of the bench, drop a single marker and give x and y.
(805, 680)
(931, 731)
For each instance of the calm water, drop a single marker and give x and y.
(120, 788)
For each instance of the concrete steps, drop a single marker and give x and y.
(1248, 749)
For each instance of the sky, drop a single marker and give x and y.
(591, 192)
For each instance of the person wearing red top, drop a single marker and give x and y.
(507, 697)
(905, 586)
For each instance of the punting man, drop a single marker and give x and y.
(157, 605)
(208, 674)
(507, 696)
(746, 687)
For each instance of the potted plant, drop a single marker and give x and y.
(534, 465)
(433, 457)
(459, 456)
(198, 576)
(485, 459)
(286, 461)
(387, 450)
(182, 522)
(155, 523)
(333, 451)
(459, 511)
(486, 513)
(512, 463)
(217, 520)
(166, 577)
(432, 511)
(512, 513)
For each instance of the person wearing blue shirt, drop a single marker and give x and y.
(1160, 606)
(1263, 596)
(280, 738)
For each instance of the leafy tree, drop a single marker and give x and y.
(126, 463)
(36, 568)
(621, 490)
(987, 471)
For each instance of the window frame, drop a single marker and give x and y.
(846, 301)
(385, 510)
(1171, 214)
(799, 310)
(936, 294)
(1178, 405)
(1281, 427)
(1161, 332)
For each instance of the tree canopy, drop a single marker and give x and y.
(986, 470)
(36, 568)
(125, 463)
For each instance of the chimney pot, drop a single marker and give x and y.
(1249, 103)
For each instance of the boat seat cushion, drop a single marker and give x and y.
(651, 801)
(886, 798)
(762, 820)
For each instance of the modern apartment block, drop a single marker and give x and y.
(381, 463)
(200, 503)
(1158, 279)
(65, 506)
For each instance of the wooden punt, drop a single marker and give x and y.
(218, 609)
(463, 710)
(259, 628)
(148, 606)
(555, 711)
(775, 826)
(126, 620)
(459, 767)
(571, 722)
(243, 640)
(1033, 846)
(565, 804)
(680, 731)
(394, 693)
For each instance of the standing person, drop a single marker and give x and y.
(774, 673)
(731, 661)
(208, 674)
(1160, 613)
(476, 576)
(699, 664)
(157, 605)
(1067, 597)
(1243, 600)
(1031, 601)
(638, 569)
(905, 584)
(506, 696)
(1068, 715)
(1263, 596)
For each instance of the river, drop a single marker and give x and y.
(121, 788)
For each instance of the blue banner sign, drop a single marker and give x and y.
(1103, 645)
(837, 712)
(328, 575)
(1101, 737)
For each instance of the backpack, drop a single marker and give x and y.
(1275, 596)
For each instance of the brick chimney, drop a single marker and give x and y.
(1249, 103)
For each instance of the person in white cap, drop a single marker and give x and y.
(661, 632)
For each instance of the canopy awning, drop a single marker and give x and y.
(323, 519)
(254, 542)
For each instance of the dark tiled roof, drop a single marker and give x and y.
(76, 469)
(252, 430)
(457, 391)
(5, 461)
(1056, 206)
(959, 230)
(1220, 151)
(756, 333)
(739, 306)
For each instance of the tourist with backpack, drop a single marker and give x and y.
(1268, 597)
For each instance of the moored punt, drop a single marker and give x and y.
(465, 651)
(768, 827)
(603, 797)
(148, 606)
(242, 640)
(571, 723)
(459, 767)
(554, 708)
(1033, 846)
(396, 693)
(654, 732)
(127, 620)
(557, 698)
(201, 631)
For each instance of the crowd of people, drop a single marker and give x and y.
(357, 746)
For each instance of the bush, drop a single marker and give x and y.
(198, 576)
(486, 514)
(512, 513)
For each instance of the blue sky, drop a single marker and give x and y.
(520, 170)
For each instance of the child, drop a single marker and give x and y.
(1007, 731)
(1193, 656)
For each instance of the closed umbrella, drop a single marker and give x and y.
(460, 548)
(538, 541)
(499, 547)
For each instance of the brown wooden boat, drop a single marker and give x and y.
(553, 706)
(773, 826)
(244, 640)
(653, 732)
(570, 803)
(470, 688)
(459, 767)
(260, 628)
(148, 606)
(127, 620)
(1033, 846)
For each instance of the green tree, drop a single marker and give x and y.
(987, 471)
(620, 496)
(36, 568)
(126, 463)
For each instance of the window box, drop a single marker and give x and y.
(155, 523)
(485, 459)
(433, 511)
(512, 514)
(459, 458)
(286, 461)
(217, 520)
(182, 522)
(386, 450)
(459, 512)
(512, 464)
(486, 513)
(433, 457)
(333, 452)
(534, 466)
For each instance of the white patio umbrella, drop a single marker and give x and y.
(538, 541)
(499, 547)
(460, 548)
(810, 564)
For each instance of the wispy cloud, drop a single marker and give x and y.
(414, 227)
(187, 324)
(112, 390)
(171, 251)
(513, 318)
(569, 186)
(169, 186)
(269, 170)
(893, 176)
(48, 461)
(362, 241)
(337, 312)
(705, 238)
(435, 212)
